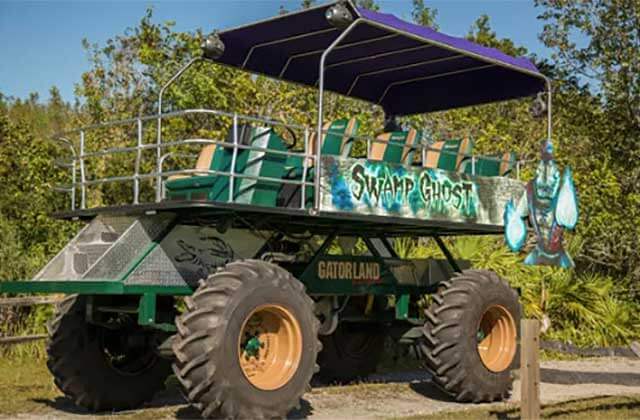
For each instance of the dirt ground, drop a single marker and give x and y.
(391, 395)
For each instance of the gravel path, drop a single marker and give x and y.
(403, 394)
(412, 393)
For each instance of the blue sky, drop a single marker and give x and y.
(40, 41)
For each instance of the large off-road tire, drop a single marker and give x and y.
(98, 368)
(470, 336)
(247, 345)
(351, 353)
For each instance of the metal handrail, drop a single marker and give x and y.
(173, 78)
(202, 172)
(72, 191)
(179, 113)
(309, 157)
(82, 155)
(231, 115)
(224, 144)
(369, 140)
(173, 154)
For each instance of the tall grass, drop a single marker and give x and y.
(17, 264)
(24, 321)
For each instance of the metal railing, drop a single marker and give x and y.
(424, 148)
(80, 153)
(76, 163)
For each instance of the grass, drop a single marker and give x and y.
(24, 384)
(596, 408)
(366, 390)
(26, 387)
(546, 355)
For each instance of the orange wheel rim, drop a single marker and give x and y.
(496, 337)
(269, 347)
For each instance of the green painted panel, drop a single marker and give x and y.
(395, 149)
(354, 275)
(402, 306)
(493, 165)
(93, 287)
(262, 164)
(62, 286)
(332, 144)
(158, 290)
(448, 159)
(147, 309)
(385, 189)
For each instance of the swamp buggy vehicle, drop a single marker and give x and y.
(247, 234)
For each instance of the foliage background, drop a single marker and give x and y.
(596, 124)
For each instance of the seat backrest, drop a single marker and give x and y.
(491, 165)
(254, 163)
(448, 154)
(204, 163)
(337, 137)
(205, 158)
(262, 166)
(507, 163)
(395, 147)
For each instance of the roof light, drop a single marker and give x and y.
(339, 16)
(212, 47)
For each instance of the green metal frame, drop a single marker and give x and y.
(90, 287)
(314, 275)
(147, 313)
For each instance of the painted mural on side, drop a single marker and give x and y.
(383, 189)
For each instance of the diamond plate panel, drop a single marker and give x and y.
(190, 253)
(135, 240)
(159, 270)
(87, 246)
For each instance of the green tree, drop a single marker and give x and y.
(307, 3)
(482, 33)
(599, 42)
(423, 15)
(27, 197)
(368, 4)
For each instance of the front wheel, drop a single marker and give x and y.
(246, 346)
(470, 336)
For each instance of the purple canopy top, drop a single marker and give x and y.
(405, 68)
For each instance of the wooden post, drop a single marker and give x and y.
(529, 370)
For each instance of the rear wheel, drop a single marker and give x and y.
(100, 368)
(247, 345)
(352, 352)
(470, 337)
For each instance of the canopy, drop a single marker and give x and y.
(405, 68)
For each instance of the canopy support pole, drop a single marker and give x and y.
(549, 113)
(318, 143)
(159, 125)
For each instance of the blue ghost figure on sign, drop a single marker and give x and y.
(551, 204)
